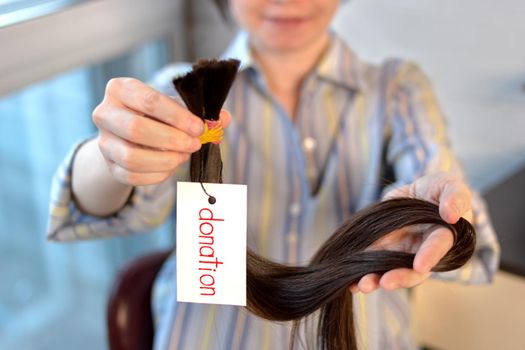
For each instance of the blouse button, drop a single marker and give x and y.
(292, 237)
(295, 209)
(309, 144)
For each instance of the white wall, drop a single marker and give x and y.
(83, 34)
(474, 52)
(456, 317)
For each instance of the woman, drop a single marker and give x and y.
(316, 134)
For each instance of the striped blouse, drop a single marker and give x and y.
(359, 130)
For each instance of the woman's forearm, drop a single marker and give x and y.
(95, 190)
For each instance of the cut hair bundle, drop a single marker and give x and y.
(204, 91)
(280, 292)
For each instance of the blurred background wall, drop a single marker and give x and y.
(472, 51)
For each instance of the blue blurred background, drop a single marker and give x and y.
(54, 295)
(50, 285)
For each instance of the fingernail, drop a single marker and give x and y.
(457, 208)
(196, 144)
(367, 286)
(197, 128)
(422, 267)
(393, 285)
(462, 206)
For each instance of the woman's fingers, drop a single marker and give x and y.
(432, 249)
(449, 191)
(138, 159)
(141, 130)
(225, 118)
(402, 278)
(455, 201)
(141, 98)
(354, 288)
(369, 283)
(366, 284)
(391, 280)
(145, 135)
(136, 179)
(430, 243)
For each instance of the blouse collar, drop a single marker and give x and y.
(338, 64)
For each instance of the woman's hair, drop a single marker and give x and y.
(222, 5)
(280, 292)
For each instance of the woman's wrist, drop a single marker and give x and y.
(94, 189)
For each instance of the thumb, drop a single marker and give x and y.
(225, 118)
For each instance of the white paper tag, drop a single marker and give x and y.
(211, 243)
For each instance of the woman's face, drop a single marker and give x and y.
(284, 25)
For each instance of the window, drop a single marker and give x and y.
(16, 11)
(57, 286)
(53, 296)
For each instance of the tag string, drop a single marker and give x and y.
(211, 199)
(213, 133)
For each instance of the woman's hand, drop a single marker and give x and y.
(454, 200)
(145, 135)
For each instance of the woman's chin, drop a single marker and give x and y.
(286, 43)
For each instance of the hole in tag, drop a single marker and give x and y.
(212, 200)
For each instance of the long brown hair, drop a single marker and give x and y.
(222, 5)
(280, 292)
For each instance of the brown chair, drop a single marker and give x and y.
(129, 319)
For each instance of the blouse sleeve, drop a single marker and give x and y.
(419, 146)
(147, 207)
